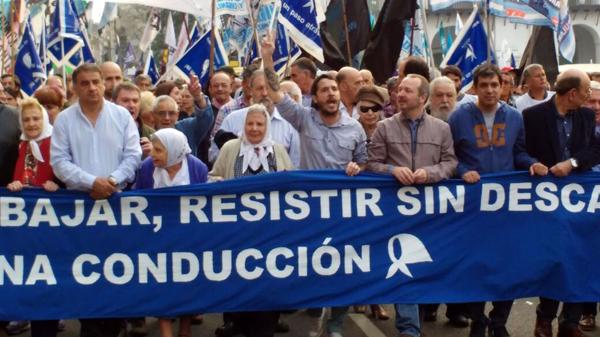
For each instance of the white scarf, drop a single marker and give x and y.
(176, 144)
(33, 143)
(256, 155)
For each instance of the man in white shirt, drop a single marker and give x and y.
(96, 149)
(349, 82)
(534, 77)
(95, 143)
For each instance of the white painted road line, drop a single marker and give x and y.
(365, 324)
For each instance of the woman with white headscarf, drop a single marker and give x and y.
(254, 153)
(170, 163)
(33, 164)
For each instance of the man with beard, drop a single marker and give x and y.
(282, 132)
(329, 138)
(442, 99)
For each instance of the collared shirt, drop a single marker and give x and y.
(231, 106)
(281, 131)
(325, 146)
(565, 127)
(80, 151)
(355, 114)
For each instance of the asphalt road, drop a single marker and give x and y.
(520, 324)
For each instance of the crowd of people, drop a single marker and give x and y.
(96, 132)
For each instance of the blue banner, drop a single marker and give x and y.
(295, 240)
(28, 66)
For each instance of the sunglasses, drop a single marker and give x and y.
(374, 108)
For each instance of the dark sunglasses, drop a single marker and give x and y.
(373, 108)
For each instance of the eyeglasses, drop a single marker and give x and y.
(374, 108)
(167, 113)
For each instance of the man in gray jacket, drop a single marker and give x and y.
(415, 148)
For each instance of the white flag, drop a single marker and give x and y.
(182, 42)
(151, 30)
(457, 25)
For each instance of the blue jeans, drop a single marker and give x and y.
(407, 319)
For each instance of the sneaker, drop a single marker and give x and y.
(17, 327)
(315, 326)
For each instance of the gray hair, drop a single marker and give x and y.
(595, 85)
(258, 108)
(164, 98)
(441, 80)
(527, 71)
(292, 89)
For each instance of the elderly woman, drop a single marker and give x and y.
(33, 164)
(254, 153)
(171, 164)
(370, 106)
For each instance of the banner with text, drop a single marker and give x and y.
(296, 240)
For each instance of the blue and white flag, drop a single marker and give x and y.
(150, 68)
(299, 17)
(513, 62)
(518, 12)
(565, 34)
(64, 35)
(85, 54)
(28, 66)
(194, 36)
(286, 51)
(470, 48)
(129, 55)
(43, 48)
(419, 42)
(196, 60)
(231, 7)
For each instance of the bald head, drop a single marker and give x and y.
(367, 76)
(573, 88)
(113, 76)
(292, 89)
(349, 82)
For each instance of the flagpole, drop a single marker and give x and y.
(487, 24)
(2, 30)
(253, 23)
(412, 35)
(429, 50)
(13, 58)
(212, 37)
(348, 49)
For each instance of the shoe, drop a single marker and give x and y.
(498, 332)
(458, 321)
(315, 325)
(569, 331)
(360, 309)
(227, 330)
(62, 326)
(17, 327)
(138, 328)
(588, 322)
(197, 319)
(282, 327)
(430, 316)
(543, 328)
(477, 330)
(378, 312)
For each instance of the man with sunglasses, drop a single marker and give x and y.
(414, 148)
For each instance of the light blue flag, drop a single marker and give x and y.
(437, 5)
(64, 35)
(470, 49)
(195, 61)
(299, 17)
(518, 12)
(150, 68)
(285, 49)
(28, 66)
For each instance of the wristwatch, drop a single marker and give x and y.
(573, 162)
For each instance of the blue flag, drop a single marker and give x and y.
(150, 68)
(470, 48)
(299, 17)
(195, 36)
(196, 60)
(28, 66)
(85, 54)
(513, 63)
(64, 35)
